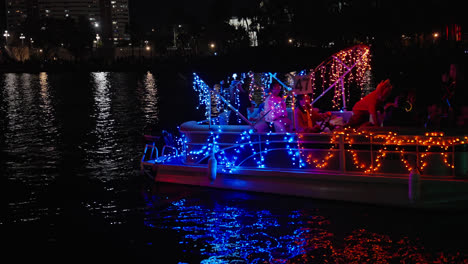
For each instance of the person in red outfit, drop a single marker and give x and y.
(307, 117)
(365, 111)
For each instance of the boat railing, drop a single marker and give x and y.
(150, 153)
(366, 153)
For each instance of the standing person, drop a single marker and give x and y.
(450, 81)
(274, 112)
(216, 107)
(453, 87)
(238, 98)
(218, 113)
(365, 110)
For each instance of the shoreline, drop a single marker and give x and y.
(385, 59)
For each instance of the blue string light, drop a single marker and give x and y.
(230, 159)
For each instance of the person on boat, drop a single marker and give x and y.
(394, 112)
(253, 112)
(450, 82)
(308, 119)
(402, 112)
(462, 118)
(274, 112)
(218, 113)
(453, 89)
(365, 110)
(434, 116)
(238, 98)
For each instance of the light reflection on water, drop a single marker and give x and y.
(236, 228)
(70, 150)
(150, 97)
(105, 149)
(57, 127)
(30, 148)
(113, 112)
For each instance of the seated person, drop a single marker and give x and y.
(401, 112)
(365, 110)
(308, 119)
(434, 116)
(274, 112)
(462, 118)
(393, 112)
(253, 112)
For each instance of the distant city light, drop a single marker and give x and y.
(290, 40)
(436, 35)
(212, 45)
(96, 24)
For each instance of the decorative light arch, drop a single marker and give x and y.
(338, 72)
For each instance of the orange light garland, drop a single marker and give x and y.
(429, 141)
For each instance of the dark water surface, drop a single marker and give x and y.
(70, 189)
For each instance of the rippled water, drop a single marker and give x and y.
(70, 188)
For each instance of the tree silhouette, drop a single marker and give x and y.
(51, 34)
(80, 37)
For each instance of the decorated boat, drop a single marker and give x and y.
(407, 167)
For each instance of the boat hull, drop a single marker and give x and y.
(367, 189)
